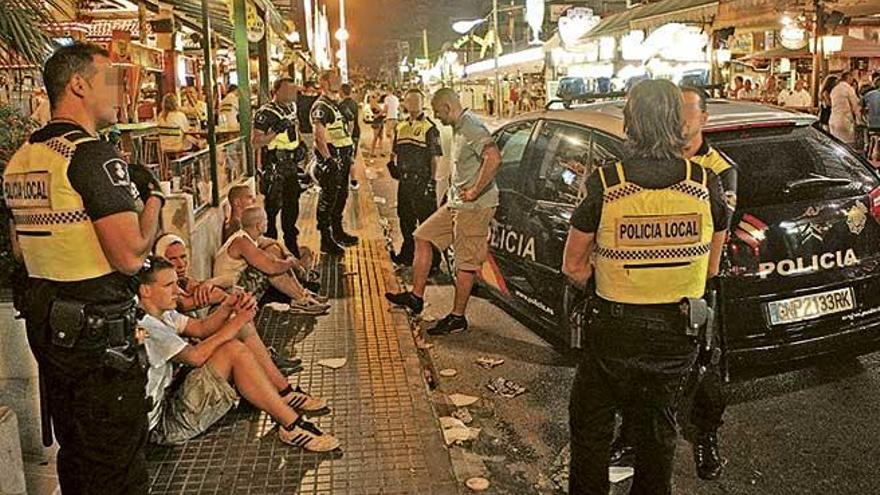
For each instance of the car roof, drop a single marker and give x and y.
(607, 116)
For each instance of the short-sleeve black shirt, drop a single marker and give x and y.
(650, 174)
(322, 112)
(100, 176)
(303, 110)
(268, 120)
(350, 110)
(417, 159)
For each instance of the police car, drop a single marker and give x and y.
(800, 277)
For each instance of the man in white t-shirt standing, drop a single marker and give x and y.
(392, 112)
(799, 98)
(188, 399)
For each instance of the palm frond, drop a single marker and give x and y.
(23, 39)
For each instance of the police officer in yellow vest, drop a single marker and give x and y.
(650, 231)
(276, 133)
(84, 222)
(414, 153)
(709, 401)
(334, 151)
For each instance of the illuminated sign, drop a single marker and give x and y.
(576, 23)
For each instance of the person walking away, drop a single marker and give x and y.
(845, 110)
(304, 101)
(351, 112)
(276, 135)
(640, 348)
(414, 153)
(378, 125)
(334, 150)
(84, 222)
(825, 100)
(392, 112)
(463, 221)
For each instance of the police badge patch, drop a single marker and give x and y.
(856, 217)
(117, 172)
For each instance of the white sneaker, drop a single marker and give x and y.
(308, 306)
(307, 436)
(300, 400)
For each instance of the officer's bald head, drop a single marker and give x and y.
(446, 105)
(252, 217)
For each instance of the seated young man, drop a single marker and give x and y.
(241, 198)
(240, 261)
(195, 294)
(227, 352)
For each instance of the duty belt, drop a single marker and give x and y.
(667, 313)
(95, 326)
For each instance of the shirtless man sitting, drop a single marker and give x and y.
(187, 404)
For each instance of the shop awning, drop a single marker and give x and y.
(190, 11)
(683, 11)
(852, 47)
(654, 15)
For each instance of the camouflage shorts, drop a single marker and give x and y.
(254, 281)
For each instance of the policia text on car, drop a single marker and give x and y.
(275, 127)
(640, 345)
(81, 241)
(334, 152)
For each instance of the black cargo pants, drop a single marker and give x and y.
(639, 363)
(334, 191)
(416, 201)
(284, 196)
(99, 415)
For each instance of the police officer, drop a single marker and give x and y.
(334, 151)
(414, 151)
(275, 128)
(83, 223)
(651, 230)
(709, 401)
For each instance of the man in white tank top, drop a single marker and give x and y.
(241, 262)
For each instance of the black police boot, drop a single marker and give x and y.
(343, 238)
(329, 246)
(706, 456)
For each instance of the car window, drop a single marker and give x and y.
(769, 159)
(565, 164)
(512, 141)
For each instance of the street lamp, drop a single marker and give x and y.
(341, 34)
(342, 37)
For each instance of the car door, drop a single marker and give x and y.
(561, 157)
(512, 141)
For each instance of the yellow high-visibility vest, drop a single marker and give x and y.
(652, 245)
(337, 134)
(56, 235)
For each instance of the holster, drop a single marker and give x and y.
(92, 326)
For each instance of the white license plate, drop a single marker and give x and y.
(811, 306)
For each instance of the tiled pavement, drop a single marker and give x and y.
(380, 411)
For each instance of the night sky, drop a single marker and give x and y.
(372, 22)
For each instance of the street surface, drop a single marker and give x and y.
(812, 431)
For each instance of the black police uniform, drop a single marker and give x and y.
(637, 356)
(81, 326)
(351, 110)
(416, 143)
(333, 173)
(281, 161)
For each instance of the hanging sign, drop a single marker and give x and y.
(793, 37)
(576, 23)
(256, 27)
